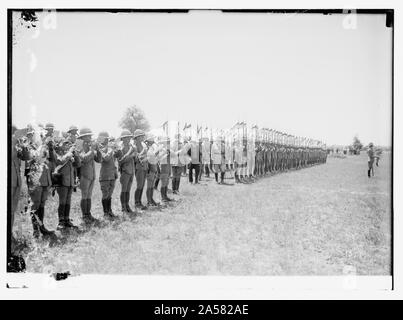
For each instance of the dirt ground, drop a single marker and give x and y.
(321, 220)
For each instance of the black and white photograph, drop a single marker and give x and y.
(200, 142)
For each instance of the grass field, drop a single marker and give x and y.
(315, 221)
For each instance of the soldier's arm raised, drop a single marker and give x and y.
(86, 156)
(107, 155)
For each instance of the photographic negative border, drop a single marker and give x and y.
(390, 15)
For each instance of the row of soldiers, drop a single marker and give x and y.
(64, 164)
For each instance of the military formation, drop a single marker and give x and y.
(65, 163)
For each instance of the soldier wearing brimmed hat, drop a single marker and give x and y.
(88, 155)
(108, 173)
(371, 159)
(152, 160)
(126, 169)
(141, 166)
(66, 160)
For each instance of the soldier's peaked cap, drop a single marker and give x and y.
(85, 132)
(138, 133)
(49, 126)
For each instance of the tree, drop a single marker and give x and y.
(357, 145)
(134, 118)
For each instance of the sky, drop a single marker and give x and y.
(308, 75)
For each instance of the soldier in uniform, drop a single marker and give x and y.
(178, 160)
(206, 156)
(218, 158)
(229, 157)
(194, 153)
(152, 160)
(66, 160)
(108, 173)
(141, 167)
(371, 159)
(126, 169)
(88, 156)
(72, 137)
(38, 182)
(164, 160)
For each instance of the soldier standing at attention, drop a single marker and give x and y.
(141, 167)
(178, 152)
(194, 153)
(89, 154)
(126, 169)
(206, 156)
(371, 158)
(164, 157)
(218, 159)
(108, 174)
(152, 160)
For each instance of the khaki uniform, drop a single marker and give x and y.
(108, 173)
(88, 175)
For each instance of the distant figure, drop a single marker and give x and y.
(371, 158)
(378, 153)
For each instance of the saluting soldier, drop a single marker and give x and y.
(141, 167)
(126, 169)
(108, 173)
(152, 160)
(66, 160)
(89, 155)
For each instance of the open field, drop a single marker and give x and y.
(315, 221)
